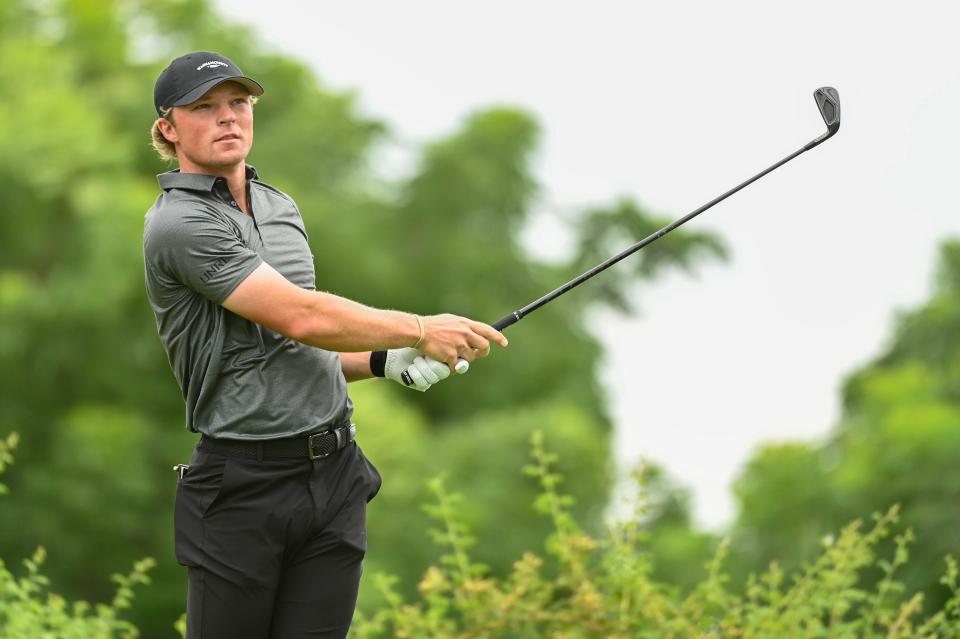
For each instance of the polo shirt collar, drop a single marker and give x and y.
(195, 181)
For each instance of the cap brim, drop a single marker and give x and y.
(251, 85)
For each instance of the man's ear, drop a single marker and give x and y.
(167, 130)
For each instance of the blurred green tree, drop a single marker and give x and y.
(898, 441)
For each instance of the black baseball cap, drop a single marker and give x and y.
(190, 76)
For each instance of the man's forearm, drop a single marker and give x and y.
(336, 323)
(319, 319)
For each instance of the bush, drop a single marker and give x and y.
(29, 611)
(584, 588)
(603, 588)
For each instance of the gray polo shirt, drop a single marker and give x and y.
(240, 380)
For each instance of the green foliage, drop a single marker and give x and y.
(28, 610)
(681, 550)
(480, 453)
(603, 587)
(6, 455)
(898, 441)
(598, 588)
(601, 233)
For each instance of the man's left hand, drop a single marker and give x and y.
(424, 371)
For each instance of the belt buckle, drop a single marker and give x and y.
(344, 435)
(310, 450)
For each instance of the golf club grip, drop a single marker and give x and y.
(509, 320)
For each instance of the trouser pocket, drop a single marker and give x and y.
(198, 487)
(374, 480)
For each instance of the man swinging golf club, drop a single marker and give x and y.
(270, 512)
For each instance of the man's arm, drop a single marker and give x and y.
(356, 366)
(319, 319)
(335, 323)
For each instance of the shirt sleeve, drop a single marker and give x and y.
(201, 250)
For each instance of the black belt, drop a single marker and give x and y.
(316, 446)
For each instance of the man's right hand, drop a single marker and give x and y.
(449, 337)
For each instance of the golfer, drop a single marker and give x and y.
(270, 512)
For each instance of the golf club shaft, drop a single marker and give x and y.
(517, 315)
(828, 102)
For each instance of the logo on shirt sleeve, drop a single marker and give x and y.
(208, 274)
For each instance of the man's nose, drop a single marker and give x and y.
(225, 114)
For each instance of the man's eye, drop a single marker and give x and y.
(240, 101)
(201, 106)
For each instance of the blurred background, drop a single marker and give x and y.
(782, 365)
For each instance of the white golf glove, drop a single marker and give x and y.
(424, 371)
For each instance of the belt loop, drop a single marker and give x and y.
(259, 451)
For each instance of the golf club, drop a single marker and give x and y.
(828, 101)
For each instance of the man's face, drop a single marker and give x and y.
(215, 133)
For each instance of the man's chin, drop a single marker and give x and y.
(227, 160)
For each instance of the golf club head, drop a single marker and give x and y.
(828, 101)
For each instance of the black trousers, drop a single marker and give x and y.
(273, 548)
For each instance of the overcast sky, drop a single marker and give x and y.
(673, 103)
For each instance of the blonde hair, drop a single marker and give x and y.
(166, 149)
